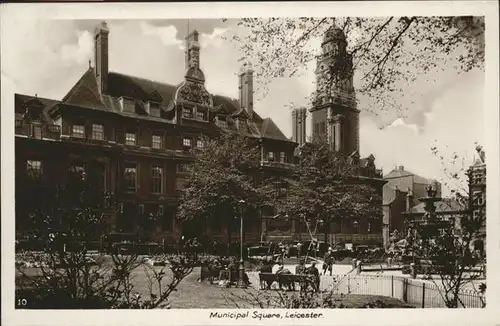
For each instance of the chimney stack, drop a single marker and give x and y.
(101, 56)
(246, 88)
(401, 168)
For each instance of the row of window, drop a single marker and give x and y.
(131, 176)
(130, 173)
(188, 113)
(272, 156)
(78, 131)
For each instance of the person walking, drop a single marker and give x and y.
(329, 260)
(313, 271)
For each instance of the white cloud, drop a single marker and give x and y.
(453, 118)
(80, 52)
(167, 34)
(214, 39)
(400, 123)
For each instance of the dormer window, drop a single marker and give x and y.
(127, 104)
(153, 109)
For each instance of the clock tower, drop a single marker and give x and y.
(335, 117)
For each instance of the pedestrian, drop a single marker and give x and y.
(313, 271)
(301, 267)
(328, 262)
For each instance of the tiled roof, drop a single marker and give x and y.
(270, 130)
(397, 173)
(20, 100)
(389, 194)
(85, 93)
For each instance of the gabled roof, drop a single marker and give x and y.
(269, 129)
(21, 100)
(389, 194)
(155, 97)
(397, 173)
(85, 93)
(241, 113)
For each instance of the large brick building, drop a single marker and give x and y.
(402, 192)
(133, 136)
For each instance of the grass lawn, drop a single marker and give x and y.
(193, 294)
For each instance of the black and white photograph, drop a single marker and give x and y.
(279, 165)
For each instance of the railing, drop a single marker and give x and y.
(415, 292)
(276, 164)
(37, 131)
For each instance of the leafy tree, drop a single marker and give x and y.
(222, 183)
(65, 275)
(384, 50)
(325, 188)
(456, 263)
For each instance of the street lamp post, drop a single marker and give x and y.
(241, 282)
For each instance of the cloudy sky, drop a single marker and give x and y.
(50, 56)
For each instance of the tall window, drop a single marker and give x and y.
(186, 143)
(199, 143)
(130, 177)
(270, 156)
(97, 132)
(282, 157)
(157, 141)
(130, 138)
(78, 131)
(34, 169)
(187, 113)
(157, 179)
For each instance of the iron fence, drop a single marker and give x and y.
(415, 292)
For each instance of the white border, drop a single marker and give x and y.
(488, 316)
